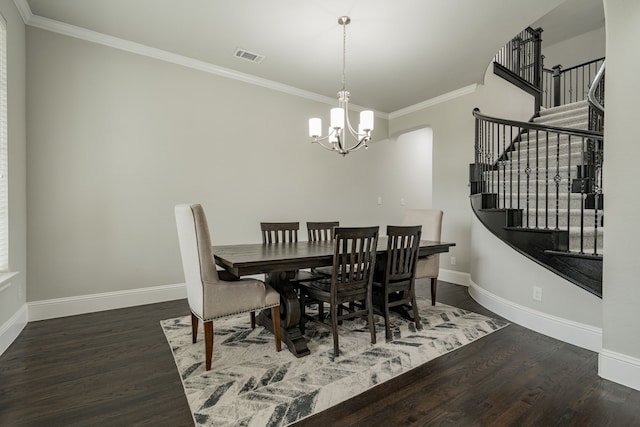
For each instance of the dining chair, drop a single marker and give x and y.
(431, 221)
(279, 232)
(397, 286)
(319, 232)
(209, 297)
(348, 290)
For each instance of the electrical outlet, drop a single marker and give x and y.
(452, 260)
(537, 293)
(379, 200)
(402, 201)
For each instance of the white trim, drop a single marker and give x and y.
(10, 330)
(434, 101)
(457, 277)
(162, 55)
(61, 307)
(580, 334)
(619, 368)
(24, 10)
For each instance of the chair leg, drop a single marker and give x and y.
(416, 316)
(434, 286)
(386, 317)
(334, 327)
(194, 328)
(275, 316)
(253, 320)
(208, 343)
(372, 326)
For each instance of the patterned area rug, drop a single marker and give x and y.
(250, 384)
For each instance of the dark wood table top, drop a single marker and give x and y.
(256, 258)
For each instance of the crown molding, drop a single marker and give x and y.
(24, 9)
(163, 55)
(434, 101)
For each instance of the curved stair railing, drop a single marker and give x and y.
(595, 97)
(531, 184)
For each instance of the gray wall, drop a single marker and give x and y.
(12, 299)
(620, 282)
(117, 139)
(576, 50)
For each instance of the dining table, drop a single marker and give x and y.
(282, 264)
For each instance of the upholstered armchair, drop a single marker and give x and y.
(431, 221)
(209, 297)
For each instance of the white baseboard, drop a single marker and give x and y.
(61, 307)
(579, 334)
(619, 368)
(10, 330)
(455, 277)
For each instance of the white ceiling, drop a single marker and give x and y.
(399, 53)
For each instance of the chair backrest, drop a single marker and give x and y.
(319, 231)
(279, 232)
(354, 260)
(431, 221)
(196, 253)
(402, 252)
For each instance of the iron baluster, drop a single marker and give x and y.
(511, 169)
(557, 179)
(527, 171)
(537, 180)
(546, 182)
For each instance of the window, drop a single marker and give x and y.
(4, 190)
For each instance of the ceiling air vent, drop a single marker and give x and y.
(248, 56)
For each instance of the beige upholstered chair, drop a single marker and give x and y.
(431, 221)
(209, 297)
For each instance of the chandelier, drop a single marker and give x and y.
(340, 123)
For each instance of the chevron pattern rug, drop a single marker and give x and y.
(250, 384)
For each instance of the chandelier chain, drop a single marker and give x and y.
(344, 53)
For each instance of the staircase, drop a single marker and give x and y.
(537, 186)
(544, 204)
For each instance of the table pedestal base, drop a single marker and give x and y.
(289, 313)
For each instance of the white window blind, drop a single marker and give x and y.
(4, 188)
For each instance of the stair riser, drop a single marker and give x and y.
(562, 220)
(512, 203)
(562, 159)
(587, 241)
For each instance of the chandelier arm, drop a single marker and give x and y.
(330, 148)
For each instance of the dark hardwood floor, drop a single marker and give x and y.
(115, 368)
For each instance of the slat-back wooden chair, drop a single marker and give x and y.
(354, 260)
(279, 232)
(319, 231)
(398, 280)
